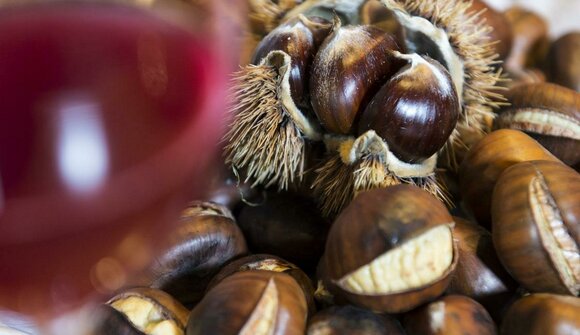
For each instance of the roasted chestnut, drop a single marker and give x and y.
(487, 160)
(479, 273)
(206, 238)
(350, 66)
(141, 311)
(390, 250)
(450, 315)
(563, 61)
(251, 303)
(349, 320)
(536, 225)
(543, 314)
(547, 112)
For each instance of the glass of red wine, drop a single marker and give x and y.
(109, 118)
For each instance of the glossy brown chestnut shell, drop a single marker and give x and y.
(350, 66)
(390, 250)
(536, 225)
(415, 111)
(251, 303)
(530, 38)
(543, 314)
(501, 33)
(450, 315)
(348, 320)
(563, 61)
(486, 161)
(205, 239)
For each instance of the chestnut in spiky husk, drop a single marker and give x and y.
(500, 34)
(450, 315)
(141, 311)
(206, 238)
(390, 250)
(348, 69)
(536, 225)
(543, 314)
(349, 320)
(251, 303)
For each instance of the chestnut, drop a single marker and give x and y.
(287, 225)
(141, 311)
(501, 33)
(563, 61)
(390, 250)
(347, 320)
(485, 162)
(450, 315)
(415, 111)
(543, 314)
(547, 112)
(479, 273)
(529, 38)
(266, 262)
(373, 13)
(349, 68)
(205, 239)
(536, 225)
(251, 302)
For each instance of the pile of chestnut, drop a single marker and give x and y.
(503, 258)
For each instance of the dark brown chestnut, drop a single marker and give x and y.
(543, 314)
(563, 61)
(547, 112)
(141, 311)
(266, 262)
(536, 225)
(486, 161)
(390, 250)
(450, 315)
(350, 66)
(205, 239)
(530, 38)
(287, 225)
(300, 38)
(500, 33)
(415, 111)
(352, 320)
(479, 273)
(251, 303)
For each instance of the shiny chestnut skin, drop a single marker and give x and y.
(485, 162)
(205, 239)
(141, 311)
(547, 112)
(300, 38)
(251, 303)
(529, 38)
(450, 315)
(563, 61)
(351, 65)
(272, 263)
(536, 225)
(415, 111)
(479, 273)
(379, 229)
(543, 314)
(501, 33)
(352, 320)
(287, 225)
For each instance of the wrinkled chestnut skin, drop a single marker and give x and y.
(374, 223)
(266, 262)
(350, 66)
(228, 306)
(287, 225)
(351, 320)
(516, 236)
(300, 38)
(450, 315)
(501, 34)
(414, 112)
(479, 273)
(543, 314)
(200, 246)
(529, 38)
(563, 61)
(485, 162)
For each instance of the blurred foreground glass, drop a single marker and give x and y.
(110, 115)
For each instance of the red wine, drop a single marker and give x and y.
(108, 121)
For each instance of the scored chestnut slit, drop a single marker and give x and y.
(390, 250)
